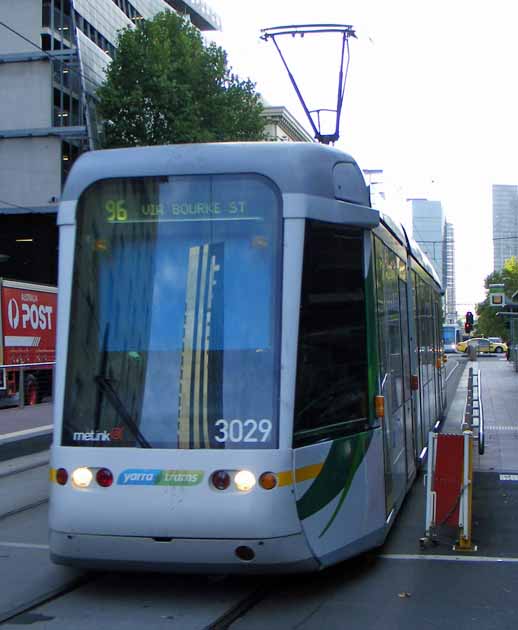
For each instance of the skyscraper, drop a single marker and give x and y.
(435, 236)
(505, 224)
(428, 229)
(450, 297)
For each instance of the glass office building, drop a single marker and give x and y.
(505, 224)
(436, 237)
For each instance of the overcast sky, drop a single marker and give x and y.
(431, 98)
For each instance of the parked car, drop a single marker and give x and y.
(484, 345)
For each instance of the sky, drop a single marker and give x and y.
(431, 99)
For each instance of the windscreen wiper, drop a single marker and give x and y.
(106, 386)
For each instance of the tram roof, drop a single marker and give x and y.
(301, 168)
(334, 174)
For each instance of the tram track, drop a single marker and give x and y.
(16, 614)
(241, 608)
(23, 486)
(26, 613)
(23, 508)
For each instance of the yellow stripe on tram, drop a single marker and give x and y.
(301, 474)
(308, 472)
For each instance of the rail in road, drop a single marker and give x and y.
(397, 587)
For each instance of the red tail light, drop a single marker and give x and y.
(61, 476)
(220, 479)
(104, 477)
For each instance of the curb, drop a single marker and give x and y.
(17, 446)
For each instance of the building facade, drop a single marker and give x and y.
(428, 229)
(53, 55)
(505, 224)
(435, 236)
(282, 126)
(450, 294)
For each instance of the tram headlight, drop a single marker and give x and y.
(244, 480)
(82, 477)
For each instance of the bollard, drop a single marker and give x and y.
(472, 351)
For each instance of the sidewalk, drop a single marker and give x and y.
(495, 483)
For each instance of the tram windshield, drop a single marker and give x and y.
(174, 318)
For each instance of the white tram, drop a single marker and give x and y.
(248, 361)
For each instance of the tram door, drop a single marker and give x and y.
(388, 273)
(407, 392)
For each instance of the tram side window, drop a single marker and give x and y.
(331, 389)
(389, 323)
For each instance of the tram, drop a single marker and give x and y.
(451, 335)
(248, 361)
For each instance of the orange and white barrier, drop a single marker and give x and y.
(449, 485)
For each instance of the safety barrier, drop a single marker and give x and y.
(26, 383)
(449, 486)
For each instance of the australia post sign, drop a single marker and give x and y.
(29, 318)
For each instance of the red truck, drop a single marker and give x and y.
(28, 318)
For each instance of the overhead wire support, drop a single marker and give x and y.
(347, 31)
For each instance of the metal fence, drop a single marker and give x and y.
(26, 384)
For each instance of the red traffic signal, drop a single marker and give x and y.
(468, 328)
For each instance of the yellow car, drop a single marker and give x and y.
(483, 345)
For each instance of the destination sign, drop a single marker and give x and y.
(119, 211)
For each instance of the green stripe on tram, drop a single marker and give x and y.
(340, 466)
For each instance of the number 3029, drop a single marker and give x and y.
(243, 430)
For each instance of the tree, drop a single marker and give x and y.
(488, 323)
(165, 85)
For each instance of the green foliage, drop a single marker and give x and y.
(488, 324)
(167, 86)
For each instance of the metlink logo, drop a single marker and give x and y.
(114, 434)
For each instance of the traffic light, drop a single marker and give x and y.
(468, 326)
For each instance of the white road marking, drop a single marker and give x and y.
(439, 558)
(23, 545)
(448, 376)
